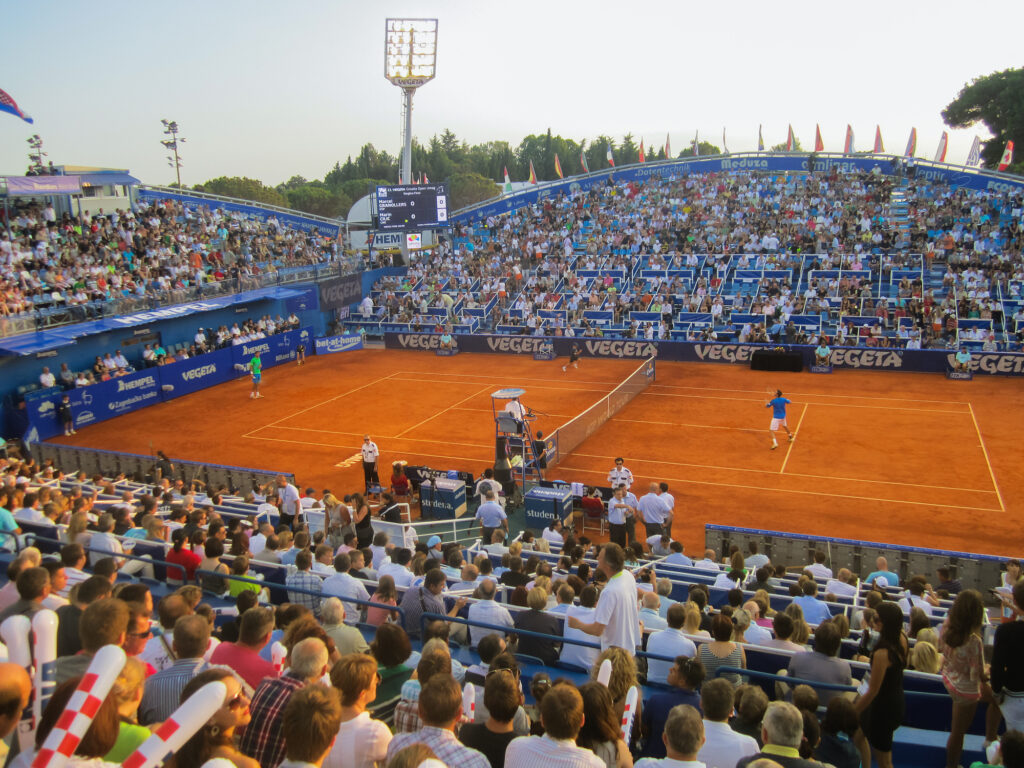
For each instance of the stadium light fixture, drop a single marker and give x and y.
(35, 154)
(410, 60)
(171, 129)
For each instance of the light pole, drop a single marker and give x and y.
(171, 129)
(36, 154)
(410, 60)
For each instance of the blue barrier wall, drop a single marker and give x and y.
(863, 358)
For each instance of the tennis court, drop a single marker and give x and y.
(902, 458)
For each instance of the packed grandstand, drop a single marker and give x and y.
(326, 616)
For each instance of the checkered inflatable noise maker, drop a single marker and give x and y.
(179, 727)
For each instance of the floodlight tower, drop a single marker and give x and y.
(410, 60)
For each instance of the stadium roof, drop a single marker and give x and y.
(43, 341)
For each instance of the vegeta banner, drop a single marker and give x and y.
(197, 373)
(296, 222)
(957, 176)
(862, 358)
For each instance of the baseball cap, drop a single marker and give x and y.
(433, 541)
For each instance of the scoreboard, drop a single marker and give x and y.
(418, 206)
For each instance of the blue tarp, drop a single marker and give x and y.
(103, 179)
(41, 341)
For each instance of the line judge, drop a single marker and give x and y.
(370, 453)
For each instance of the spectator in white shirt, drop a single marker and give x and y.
(755, 559)
(708, 563)
(649, 614)
(818, 569)
(684, 738)
(580, 655)
(486, 610)
(343, 585)
(47, 379)
(723, 747)
(616, 620)
(915, 598)
(553, 532)
(755, 633)
(104, 543)
(397, 567)
(561, 715)
(669, 642)
(843, 585)
(677, 557)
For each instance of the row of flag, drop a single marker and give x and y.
(421, 179)
(973, 157)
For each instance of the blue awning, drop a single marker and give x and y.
(103, 179)
(43, 341)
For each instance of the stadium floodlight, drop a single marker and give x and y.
(171, 129)
(410, 60)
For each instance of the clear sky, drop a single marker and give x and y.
(272, 89)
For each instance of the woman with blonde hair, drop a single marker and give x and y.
(127, 692)
(762, 596)
(801, 629)
(924, 657)
(624, 677)
(78, 529)
(691, 625)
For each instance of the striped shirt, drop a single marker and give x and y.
(449, 750)
(263, 738)
(309, 581)
(163, 690)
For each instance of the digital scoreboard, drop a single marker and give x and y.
(417, 206)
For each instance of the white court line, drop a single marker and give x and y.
(648, 393)
(329, 400)
(988, 463)
(635, 460)
(556, 389)
(678, 424)
(382, 438)
(814, 394)
(440, 413)
(789, 448)
(503, 377)
(762, 489)
(353, 448)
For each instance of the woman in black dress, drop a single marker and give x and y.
(362, 520)
(881, 707)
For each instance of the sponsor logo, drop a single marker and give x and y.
(252, 349)
(85, 417)
(86, 397)
(621, 348)
(516, 345)
(419, 341)
(867, 358)
(746, 162)
(46, 407)
(123, 406)
(340, 292)
(47, 353)
(1002, 186)
(286, 356)
(144, 381)
(382, 240)
(198, 373)
(993, 363)
(728, 353)
(338, 343)
(160, 314)
(304, 334)
(962, 375)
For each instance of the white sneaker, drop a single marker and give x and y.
(73, 432)
(774, 446)
(564, 369)
(252, 395)
(259, 395)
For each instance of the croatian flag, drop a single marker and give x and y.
(533, 174)
(583, 162)
(558, 167)
(879, 146)
(911, 143)
(1007, 157)
(642, 158)
(819, 145)
(790, 139)
(940, 153)
(848, 144)
(508, 182)
(610, 156)
(974, 156)
(7, 104)
(760, 140)
(668, 148)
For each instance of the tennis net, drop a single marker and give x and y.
(568, 437)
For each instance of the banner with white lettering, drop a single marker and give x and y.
(345, 343)
(340, 292)
(197, 373)
(274, 350)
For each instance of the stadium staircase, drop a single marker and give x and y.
(901, 215)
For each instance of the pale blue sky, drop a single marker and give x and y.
(270, 89)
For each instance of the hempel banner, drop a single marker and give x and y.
(864, 358)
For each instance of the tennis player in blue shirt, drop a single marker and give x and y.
(778, 405)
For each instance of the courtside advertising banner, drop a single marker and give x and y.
(340, 292)
(197, 373)
(345, 343)
(274, 350)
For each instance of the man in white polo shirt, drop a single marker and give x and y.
(620, 475)
(617, 619)
(370, 453)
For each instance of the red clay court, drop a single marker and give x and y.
(903, 458)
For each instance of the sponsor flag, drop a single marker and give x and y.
(760, 140)
(848, 143)
(508, 182)
(974, 156)
(725, 146)
(819, 145)
(425, 179)
(696, 142)
(1007, 157)
(583, 161)
(558, 167)
(533, 174)
(911, 143)
(610, 156)
(879, 146)
(642, 158)
(790, 139)
(668, 148)
(940, 153)
(9, 105)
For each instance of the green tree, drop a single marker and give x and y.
(597, 153)
(244, 189)
(797, 147)
(469, 188)
(997, 100)
(628, 152)
(703, 148)
(318, 200)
